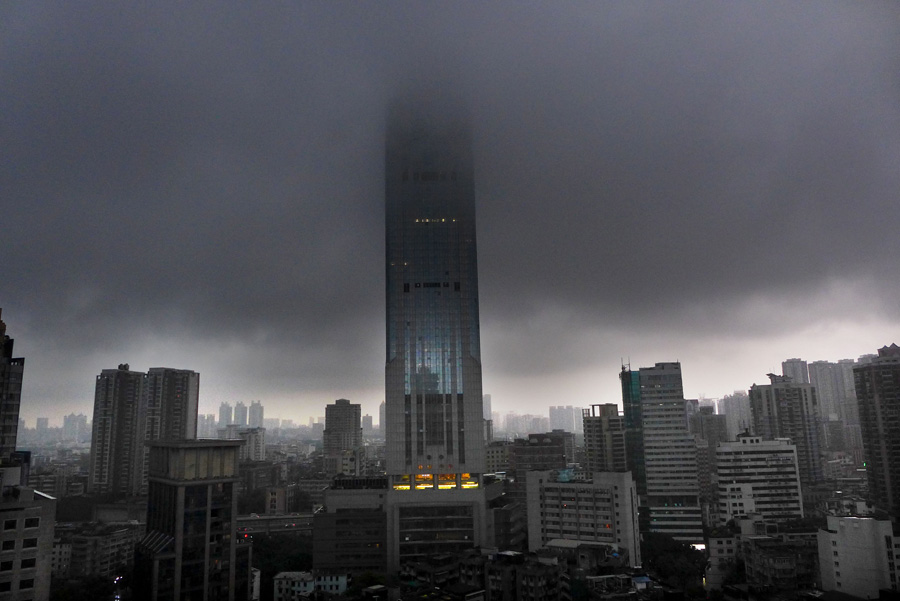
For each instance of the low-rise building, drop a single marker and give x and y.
(294, 586)
(95, 550)
(601, 510)
(780, 563)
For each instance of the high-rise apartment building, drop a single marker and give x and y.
(191, 549)
(604, 438)
(433, 390)
(563, 418)
(878, 393)
(75, 427)
(796, 369)
(131, 408)
(226, 415)
(661, 452)
(257, 415)
(342, 435)
(736, 408)
(787, 409)
(28, 516)
(381, 418)
(11, 371)
(116, 447)
(835, 390)
(240, 414)
(758, 476)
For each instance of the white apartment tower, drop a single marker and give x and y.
(758, 476)
(661, 451)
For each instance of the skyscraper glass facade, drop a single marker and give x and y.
(433, 392)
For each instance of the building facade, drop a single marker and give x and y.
(603, 509)
(117, 452)
(604, 438)
(11, 372)
(342, 435)
(878, 392)
(857, 556)
(131, 408)
(191, 549)
(256, 415)
(787, 409)
(661, 451)
(240, 414)
(434, 451)
(756, 476)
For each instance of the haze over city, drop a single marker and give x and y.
(199, 188)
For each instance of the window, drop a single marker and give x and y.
(8, 545)
(29, 543)
(29, 563)
(27, 583)
(10, 524)
(32, 522)
(5, 586)
(6, 566)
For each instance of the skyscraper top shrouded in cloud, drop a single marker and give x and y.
(433, 373)
(433, 388)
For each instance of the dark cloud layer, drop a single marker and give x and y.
(201, 186)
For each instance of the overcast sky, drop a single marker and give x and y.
(201, 187)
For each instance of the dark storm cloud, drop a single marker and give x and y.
(182, 177)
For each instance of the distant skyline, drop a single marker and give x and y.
(202, 188)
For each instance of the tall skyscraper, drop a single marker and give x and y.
(787, 409)
(342, 436)
(116, 448)
(835, 390)
(26, 540)
(257, 415)
(662, 453)
(604, 438)
(11, 372)
(563, 418)
(240, 414)
(75, 427)
(433, 391)
(796, 369)
(191, 549)
(878, 393)
(736, 408)
(226, 415)
(131, 408)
